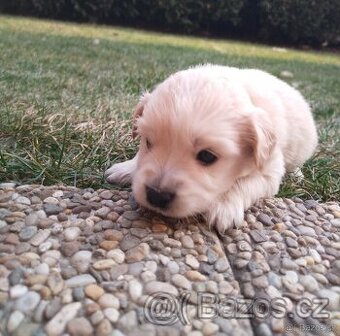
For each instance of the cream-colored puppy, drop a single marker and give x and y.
(214, 140)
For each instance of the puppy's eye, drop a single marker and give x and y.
(206, 158)
(148, 144)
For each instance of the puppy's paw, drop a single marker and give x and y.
(296, 175)
(225, 215)
(119, 173)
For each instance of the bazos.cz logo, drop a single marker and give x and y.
(166, 309)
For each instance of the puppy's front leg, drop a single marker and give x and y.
(121, 173)
(229, 210)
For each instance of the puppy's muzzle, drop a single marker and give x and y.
(159, 198)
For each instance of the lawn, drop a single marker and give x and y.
(67, 92)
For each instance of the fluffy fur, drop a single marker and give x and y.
(256, 125)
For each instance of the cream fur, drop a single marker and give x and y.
(258, 126)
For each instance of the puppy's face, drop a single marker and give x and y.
(195, 144)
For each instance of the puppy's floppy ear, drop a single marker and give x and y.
(259, 136)
(138, 112)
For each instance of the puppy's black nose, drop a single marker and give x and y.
(158, 198)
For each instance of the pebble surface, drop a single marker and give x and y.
(88, 262)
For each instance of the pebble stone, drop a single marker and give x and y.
(23, 200)
(173, 267)
(306, 230)
(263, 330)
(27, 302)
(187, 242)
(258, 236)
(180, 281)
(81, 261)
(52, 209)
(128, 321)
(87, 262)
(264, 219)
(97, 317)
(209, 328)
(3, 224)
(80, 280)
(291, 242)
(94, 292)
(40, 237)
(158, 286)
(111, 314)
(14, 320)
(137, 253)
(195, 276)
(103, 264)
(221, 265)
(104, 328)
(55, 282)
(135, 289)
(71, 233)
(79, 327)
(27, 233)
(333, 298)
(17, 291)
(78, 293)
(58, 323)
(309, 283)
(117, 255)
(15, 276)
(191, 261)
(108, 301)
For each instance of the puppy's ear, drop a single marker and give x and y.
(259, 136)
(138, 112)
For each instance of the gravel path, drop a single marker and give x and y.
(84, 262)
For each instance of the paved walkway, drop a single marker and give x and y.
(85, 262)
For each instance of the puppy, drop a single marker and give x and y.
(214, 140)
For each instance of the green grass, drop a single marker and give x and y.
(67, 92)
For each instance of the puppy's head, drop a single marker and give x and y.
(198, 137)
